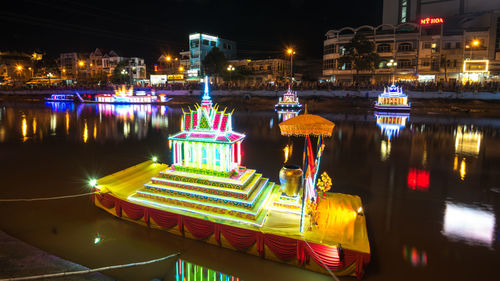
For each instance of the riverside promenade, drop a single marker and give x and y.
(264, 93)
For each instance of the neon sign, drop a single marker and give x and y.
(429, 20)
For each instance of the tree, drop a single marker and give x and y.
(360, 53)
(119, 76)
(215, 62)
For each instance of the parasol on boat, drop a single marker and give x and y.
(308, 125)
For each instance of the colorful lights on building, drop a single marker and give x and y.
(207, 139)
(392, 98)
(429, 20)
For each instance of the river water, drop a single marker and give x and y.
(430, 185)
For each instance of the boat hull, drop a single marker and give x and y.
(392, 108)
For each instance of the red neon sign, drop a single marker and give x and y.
(429, 20)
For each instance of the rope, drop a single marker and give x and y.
(61, 274)
(324, 265)
(46, 198)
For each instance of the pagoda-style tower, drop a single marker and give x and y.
(207, 140)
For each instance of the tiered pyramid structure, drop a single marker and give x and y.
(206, 177)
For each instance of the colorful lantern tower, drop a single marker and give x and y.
(207, 140)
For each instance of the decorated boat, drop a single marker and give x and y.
(127, 95)
(289, 100)
(207, 194)
(60, 98)
(392, 98)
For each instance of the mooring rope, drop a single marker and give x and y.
(314, 252)
(61, 274)
(48, 198)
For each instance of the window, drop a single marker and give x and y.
(383, 48)
(229, 46)
(329, 64)
(426, 45)
(405, 47)
(454, 63)
(195, 43)
(345, 66)
(212, 43)
(426, 63)
(447, 45)
(458, 45)
(403, 10)
(329, 49)
(342, 50)
(224, 45)
(404, 64)
(205, 42)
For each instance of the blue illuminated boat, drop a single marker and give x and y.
(393, 99)
(61, 98)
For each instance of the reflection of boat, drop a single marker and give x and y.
(392, 98)
(61, 98)
(186, 271)
(287, 113)
(206, 194)
(124, 95)
(289, 99)
(391, 122)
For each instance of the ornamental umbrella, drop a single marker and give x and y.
(308, 125)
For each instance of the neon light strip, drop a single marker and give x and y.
(256, 194)
(236, 208)
(210, 178)
(192, 211)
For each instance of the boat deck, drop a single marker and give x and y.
(338, 220)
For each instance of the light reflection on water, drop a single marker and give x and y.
(417, 172)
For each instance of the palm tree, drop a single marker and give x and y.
(360, 53)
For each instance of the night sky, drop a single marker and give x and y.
(149, 28)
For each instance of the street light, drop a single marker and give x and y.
(181, 68)
(19, 67)
(168, 58)
(49, 75)
(392, 64)
(291, 52)
(230, 68)
(81, 63)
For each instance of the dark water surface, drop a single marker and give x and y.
(430, 188)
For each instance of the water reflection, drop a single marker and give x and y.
(471, 224)
(83, 123)
(467, 141)
(186, 271)
(391, 123)
(415, 256)
(418, 180)
(285, 114)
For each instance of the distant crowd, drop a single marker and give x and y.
(307, 85)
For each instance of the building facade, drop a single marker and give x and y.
(456, 47)
(99, 66)
(262, 71)
(200, 45)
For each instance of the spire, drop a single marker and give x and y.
(206, 99)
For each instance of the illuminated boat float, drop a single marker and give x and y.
(207, 195)
(60, 98)
(392, 98)
(289, 100)
(124, 95)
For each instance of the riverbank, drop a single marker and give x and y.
(263, 93)
(18, 259)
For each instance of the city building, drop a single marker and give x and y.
(424, 41)
(200, 45)
(98, 66)
(262, 71)
(17, 67)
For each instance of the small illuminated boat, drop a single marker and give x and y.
(392, 98)
(61, 98)
(289, 99)
(125, 95)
